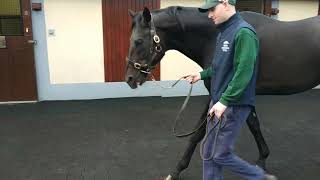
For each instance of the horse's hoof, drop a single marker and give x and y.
(169, 177)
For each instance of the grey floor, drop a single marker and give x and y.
(130, 138)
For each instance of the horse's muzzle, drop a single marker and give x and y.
(132, 83)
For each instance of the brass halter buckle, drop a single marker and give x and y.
(158, 48)
(156, 39)
(137, 66)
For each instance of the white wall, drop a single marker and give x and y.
(291, 10)
(173, 58)
(75, 53)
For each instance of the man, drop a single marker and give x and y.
(233, 79)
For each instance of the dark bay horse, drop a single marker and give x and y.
(289, 57)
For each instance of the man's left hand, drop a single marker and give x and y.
(217, 110)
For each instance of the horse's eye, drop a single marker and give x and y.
(138, 41)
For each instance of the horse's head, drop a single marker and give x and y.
(145, 49)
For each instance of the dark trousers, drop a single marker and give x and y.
(232, 121)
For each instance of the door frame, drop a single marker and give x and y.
(319, 8)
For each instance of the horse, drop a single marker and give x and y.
(289, 58)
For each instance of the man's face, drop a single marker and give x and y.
(218, 13)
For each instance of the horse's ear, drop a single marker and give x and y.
(146, 15)
(131, 13)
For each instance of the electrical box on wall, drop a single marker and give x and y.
(52, 32)
(36, 6)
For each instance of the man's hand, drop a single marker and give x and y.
(217, 110)
(193, 78)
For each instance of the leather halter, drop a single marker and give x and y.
(155, 50)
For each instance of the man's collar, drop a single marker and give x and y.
(223, 26)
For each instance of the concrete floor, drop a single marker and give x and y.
(130, 138)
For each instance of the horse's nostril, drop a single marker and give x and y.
(129, 78)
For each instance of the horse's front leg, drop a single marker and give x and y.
(192, 144)
(254, 126)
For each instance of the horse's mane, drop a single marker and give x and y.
(186, 18)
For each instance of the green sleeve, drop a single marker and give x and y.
(207, 73)
(246, 51)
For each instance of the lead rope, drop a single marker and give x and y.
(183, 107)
(178, 117)
(168, 87)
(206, 138)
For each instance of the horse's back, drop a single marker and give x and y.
(258, 18)
(285, 35)
(289, 53)
(265, 24)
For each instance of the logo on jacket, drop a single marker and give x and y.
(225, 46)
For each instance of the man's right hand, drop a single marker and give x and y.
(193, 78)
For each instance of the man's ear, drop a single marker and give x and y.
(146, 15)
(131, 13)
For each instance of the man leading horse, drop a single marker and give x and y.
(233, 76)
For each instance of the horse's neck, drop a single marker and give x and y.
(188, 32)
(191, 45)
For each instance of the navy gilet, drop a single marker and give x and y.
(223, 62)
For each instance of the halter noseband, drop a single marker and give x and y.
(155, 49)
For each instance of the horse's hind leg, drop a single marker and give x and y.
(193, 141)
(254, 126)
